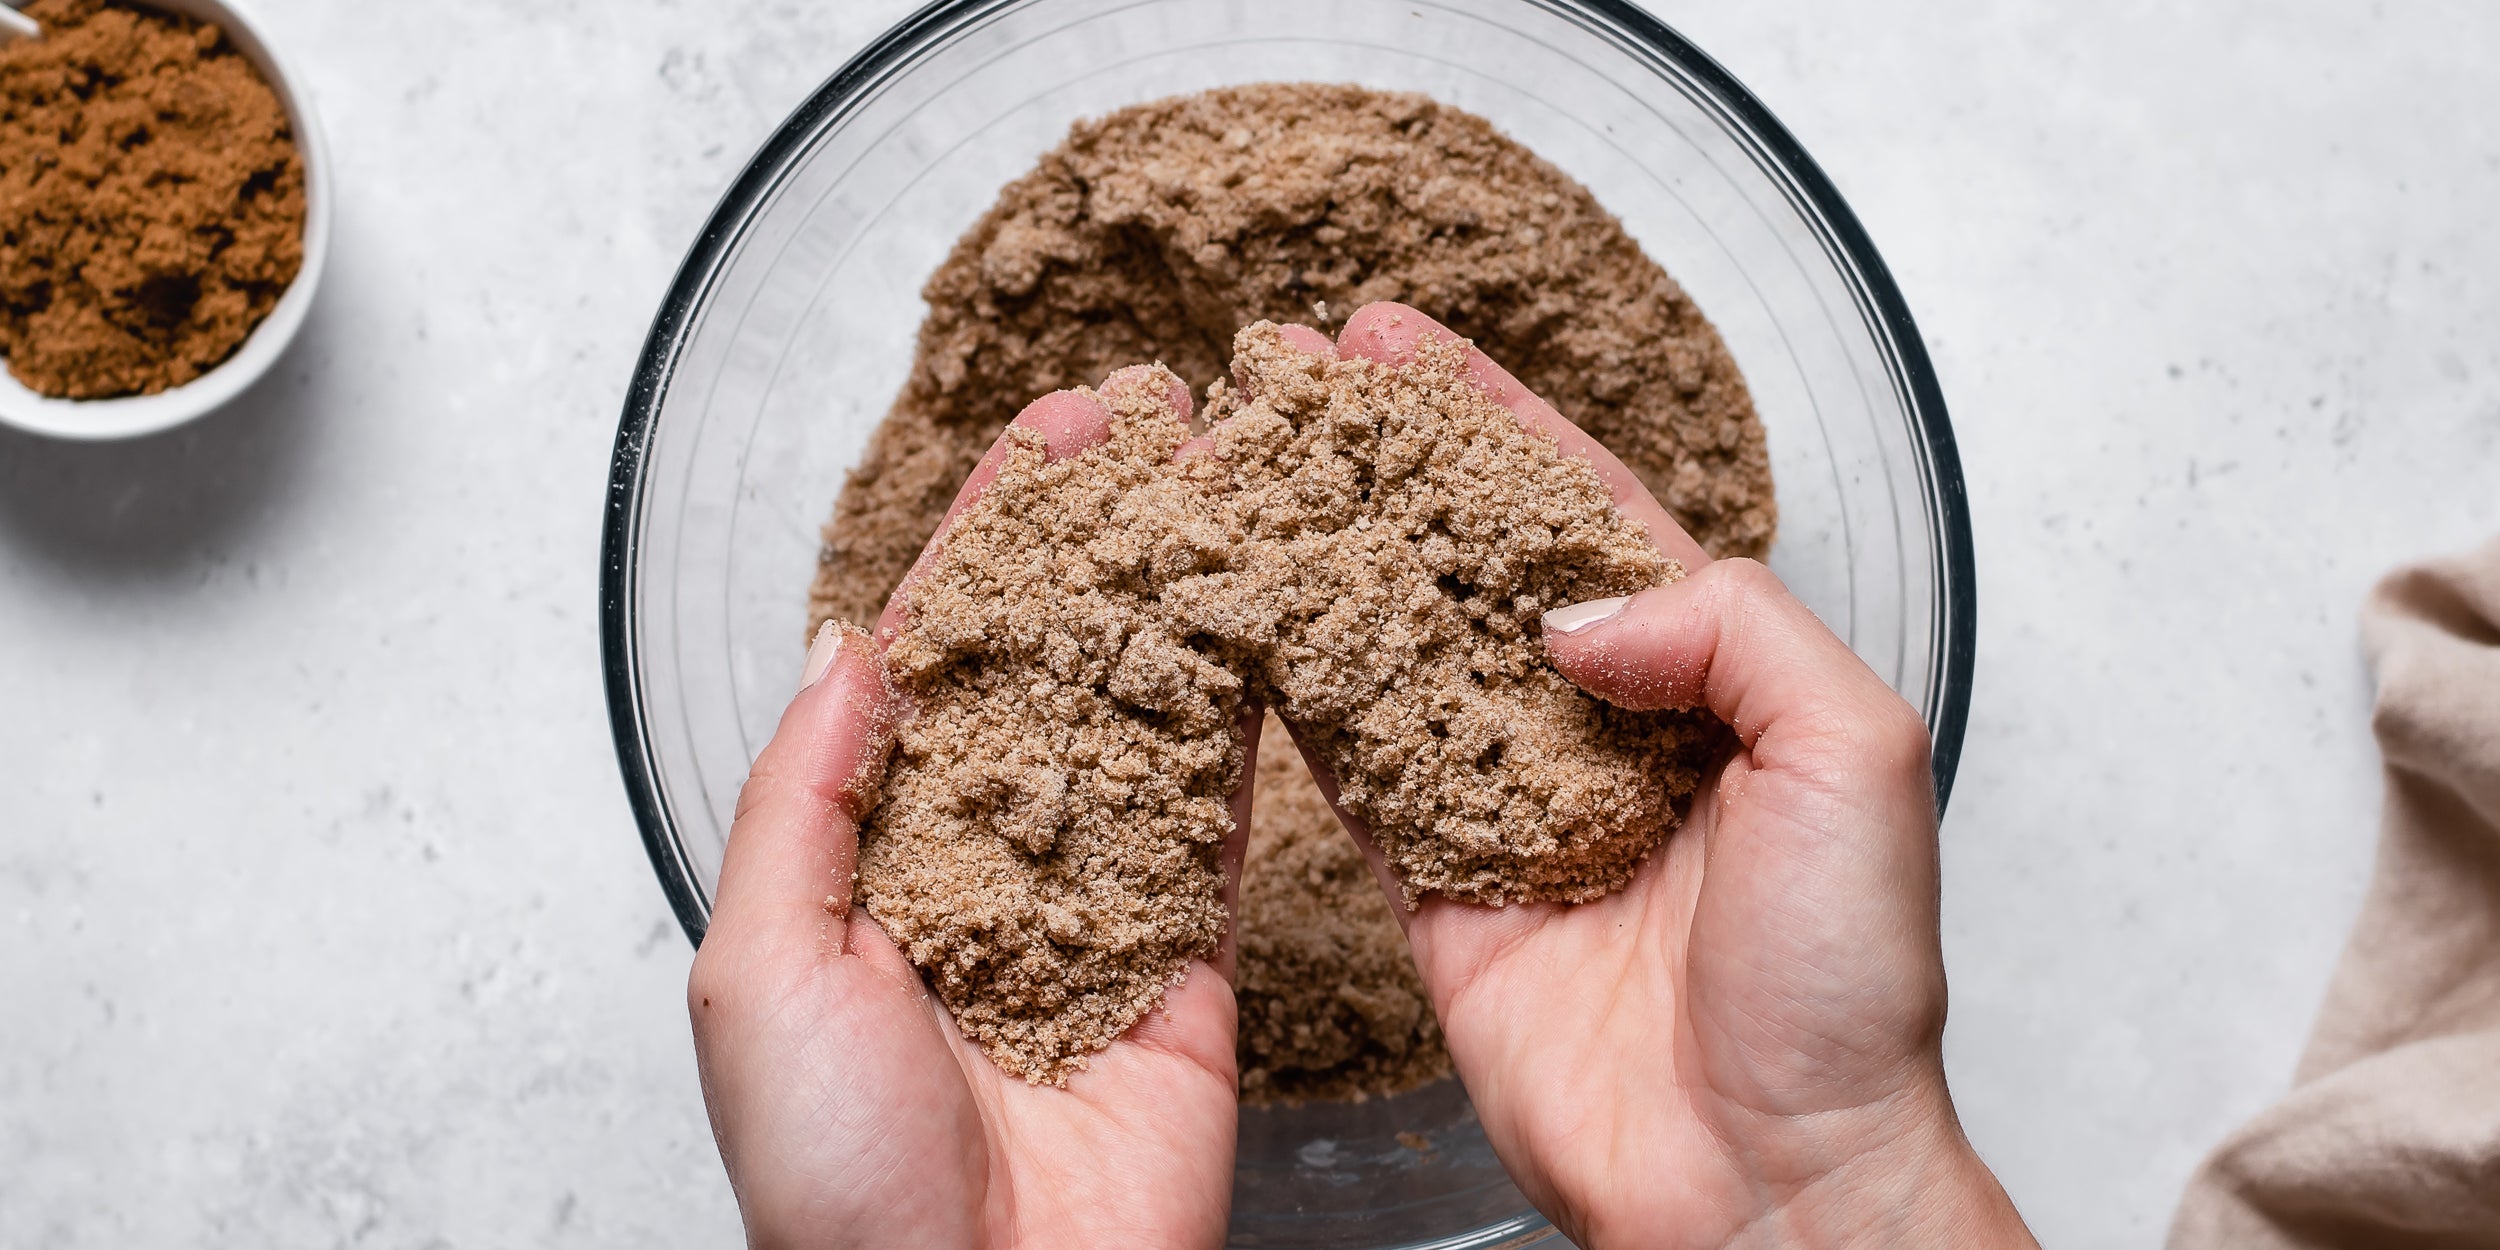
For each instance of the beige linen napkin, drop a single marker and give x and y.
(2390, 1136)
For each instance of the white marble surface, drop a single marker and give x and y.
(322, 920)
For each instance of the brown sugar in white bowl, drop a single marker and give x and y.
(137, 415)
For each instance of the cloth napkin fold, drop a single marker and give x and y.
(2390, 1136)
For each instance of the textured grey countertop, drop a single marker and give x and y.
(325, 921)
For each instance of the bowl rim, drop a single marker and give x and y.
(1953, 568)
(133, 416)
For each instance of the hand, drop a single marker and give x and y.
(849, 1110)
(1743, 1047)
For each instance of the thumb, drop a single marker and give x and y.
(1830, 797)
(1732, 639)
(786, 875)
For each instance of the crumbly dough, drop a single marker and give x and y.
(1403, 533)
(1046, 848)
(1366, 549)
(1155, 232)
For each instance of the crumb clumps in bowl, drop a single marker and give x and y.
(1157, 231)
(1331, 1007)
(1366, 549)
(152, 202)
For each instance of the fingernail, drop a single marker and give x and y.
(821, 652)
(1579, 616)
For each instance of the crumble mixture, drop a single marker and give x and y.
(1152, 234)
(1366, 549)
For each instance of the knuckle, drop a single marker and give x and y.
(1901, 736)
(1747, 577)
(707, 985)
(758, 789)
(1905, 729)
(1739, 591)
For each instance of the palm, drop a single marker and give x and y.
(850, 1110)
(1679, 998)
(926, 1141)
(1137, 1150)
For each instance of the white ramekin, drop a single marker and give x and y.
(99, 419)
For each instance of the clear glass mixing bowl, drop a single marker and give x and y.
(790, 328)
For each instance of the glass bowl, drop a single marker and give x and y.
(790, 328)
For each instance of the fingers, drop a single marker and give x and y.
(1153, 380)
(1818, 839)
(1732, 639)
(1389, 333)
(1069, 422)
(1309, 340)
(786, 873)
(1237, 846)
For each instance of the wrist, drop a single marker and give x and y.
(1913, 1181)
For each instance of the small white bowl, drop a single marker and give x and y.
(99, 419)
